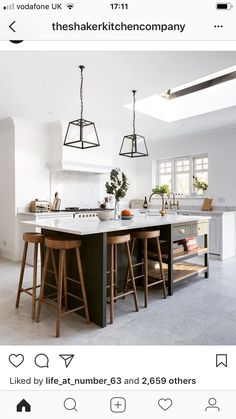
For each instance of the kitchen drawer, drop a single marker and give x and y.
(200, 228)
(181, 231)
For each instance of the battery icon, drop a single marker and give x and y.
(224, 6)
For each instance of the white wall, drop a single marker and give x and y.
(7, 188)
(32, 176)
(97, 155)
(220, 145)
(24, 153)
(79, 189)
(32, 148)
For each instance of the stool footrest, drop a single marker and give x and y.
(50, 285)
(73, 280)
(29, 289)
(155, 283)
(72, 310)
(28, 293)
(49, 301)
(74, 296)
(123, 294)
(137, 277)
(137, 264)
(50, 271)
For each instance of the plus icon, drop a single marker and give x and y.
(118, 405)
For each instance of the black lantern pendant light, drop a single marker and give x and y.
(133, 145)
(81, 133)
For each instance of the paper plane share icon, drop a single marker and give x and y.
(67, 358)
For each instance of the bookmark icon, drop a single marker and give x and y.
(67, 358)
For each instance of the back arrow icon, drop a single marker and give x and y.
(10, 26)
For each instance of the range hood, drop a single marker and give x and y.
(63, 165)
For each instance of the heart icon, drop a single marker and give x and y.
(165, 404)
(16, 360)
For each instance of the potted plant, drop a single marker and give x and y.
(200, 185)
(118, 186)
(161, 189)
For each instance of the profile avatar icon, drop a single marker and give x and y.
(212, 404)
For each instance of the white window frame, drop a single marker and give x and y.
(173, 172)
(158, 169)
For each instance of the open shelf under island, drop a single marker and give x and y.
(94, 252)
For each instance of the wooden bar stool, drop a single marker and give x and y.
(37, 240)
(113, 242)
(61, 279)
(145, 236)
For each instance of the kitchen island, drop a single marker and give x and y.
(93, 234)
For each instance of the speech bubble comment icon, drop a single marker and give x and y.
(41, 361)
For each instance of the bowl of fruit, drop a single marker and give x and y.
(126, 214)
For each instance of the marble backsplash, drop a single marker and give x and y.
(77, 189)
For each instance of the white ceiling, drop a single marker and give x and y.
(44, 86)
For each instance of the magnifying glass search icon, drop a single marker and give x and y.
(70, 404)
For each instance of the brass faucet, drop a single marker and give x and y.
(173, 204)
(162, 210)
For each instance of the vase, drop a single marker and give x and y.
(116, 210)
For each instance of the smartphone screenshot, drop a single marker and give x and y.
(117, 209)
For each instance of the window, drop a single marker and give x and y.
(165, 173)
(182, 176)
(178, 173)
(200, 170)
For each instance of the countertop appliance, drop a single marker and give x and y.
(39, 206)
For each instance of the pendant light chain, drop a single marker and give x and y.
(134, 116)
(81, 91)
(81, 133)
(133, 145)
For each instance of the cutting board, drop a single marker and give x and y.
(206, 206)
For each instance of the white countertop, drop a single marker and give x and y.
(85, 227)
(213, 212)
(193, 211)
(46, 214)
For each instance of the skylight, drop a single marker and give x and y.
(210, 99)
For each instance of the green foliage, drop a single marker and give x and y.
(199, 185)
(118, 185)
(162, 189)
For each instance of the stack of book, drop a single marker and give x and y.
(190, 244)
(178, 248)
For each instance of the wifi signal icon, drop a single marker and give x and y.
(70, 6)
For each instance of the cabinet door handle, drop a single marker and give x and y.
(182, 231)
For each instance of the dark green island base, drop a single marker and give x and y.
(94, 255)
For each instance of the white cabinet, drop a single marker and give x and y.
(222, 232)
(222, 241)
(215, 235)
(228, 233)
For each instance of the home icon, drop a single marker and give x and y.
(23, 406)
